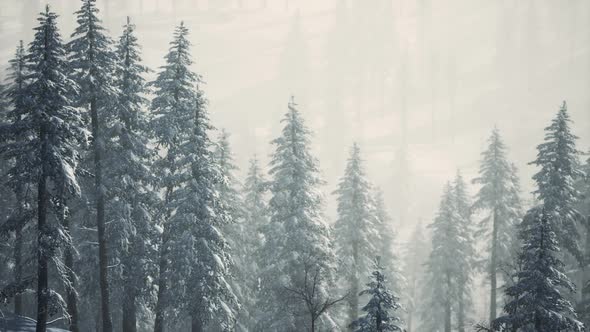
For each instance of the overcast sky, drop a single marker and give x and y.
(418, 84)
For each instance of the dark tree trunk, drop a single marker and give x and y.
(107, 323)
(71, 299)
(129, 310)
(493, 266)
(196, 324)
(18, 270)
(42, 272)
(162, 287)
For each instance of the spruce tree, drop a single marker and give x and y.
(536, 300)
(172, 110)
(256, 216)
(466, 249)
(445, 275)
(93, 62)
(379, 315)
(297, 254)
(386, 242)
(45, 135)
(557, 159)
(194, 252)
(128, 179)
(499, 198)
(17, 203)
(356, 228)
(229, 193)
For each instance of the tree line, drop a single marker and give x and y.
(121, 210)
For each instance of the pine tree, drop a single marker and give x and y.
(247, 256)
(234, 231)
(382, 302)
(127, 160)
(499, 198)
(19, 212)
(173, 120)
(356, 228)
(447, 260)
(44, 135)
(93, 63)
(194, 251)
(537, 301)
(583, 206)
(557, 158)
(466, 248)
(386, 243)
(297, 254)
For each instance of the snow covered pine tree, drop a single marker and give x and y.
(93, 63)
(379, 315)
(45, 133)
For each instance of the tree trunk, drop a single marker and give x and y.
(163, 267)
(42, 272)
(71, 298)
(312, 324)
(129, 310)
(493, 266)
(18, 269)
(162, 287)
(196, 324)
(107, 324)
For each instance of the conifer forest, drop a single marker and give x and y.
(294, 165)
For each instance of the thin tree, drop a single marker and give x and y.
(45, 134)
(557, 158)
(93, 63)
(355, 228)
(499, 197)
(128, 159)
(172, 108)
(297, 233)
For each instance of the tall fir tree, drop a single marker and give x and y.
(379, 316)
(45, 135)
(200, 253)
(128, 179)
(386, 243)
(229, 193)
(499, 198)
(355, 230)
(583, 205)
(18, 203)
(172, 110)
(194, 252)
(248, 256)
(446, 263)
(297, 254)
(93, 63)
(557, 159)
(536, 300)
(466, 248)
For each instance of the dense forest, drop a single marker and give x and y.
(122, 209)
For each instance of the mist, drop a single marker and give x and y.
(418, 85)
